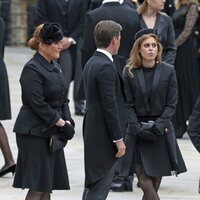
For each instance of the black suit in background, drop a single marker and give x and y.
(5, 108)
(127, 18)
(104, 121)
(169, 7)
(70, 15)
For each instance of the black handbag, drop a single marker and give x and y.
(56, 143)
(59, 140)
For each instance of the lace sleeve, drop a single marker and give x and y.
(190, 21)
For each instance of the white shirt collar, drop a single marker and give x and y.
(107, 1)
(106, 53)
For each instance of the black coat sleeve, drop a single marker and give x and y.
(194, 125)
(171, 101)
(169, 53)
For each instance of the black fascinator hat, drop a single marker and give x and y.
(143, 32)
(51, 32)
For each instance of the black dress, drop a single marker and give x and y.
(5, 109)
(186, 62)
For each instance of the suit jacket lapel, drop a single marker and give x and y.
(159, 26)
(140, 76)
(156, 79)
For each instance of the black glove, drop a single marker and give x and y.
(154, 130)
(147, 135)
(67, 131)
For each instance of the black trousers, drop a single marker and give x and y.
(100, 189)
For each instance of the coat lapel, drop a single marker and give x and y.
(156, 79)
(140, 76)
(158, 28)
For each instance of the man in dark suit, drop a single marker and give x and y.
(129, 21)
(70, 15)
(104, 123)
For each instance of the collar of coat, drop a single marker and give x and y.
(48, 66)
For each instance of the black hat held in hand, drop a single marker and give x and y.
(143, 32)
(51, 32)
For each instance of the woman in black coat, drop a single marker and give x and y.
(152, 17)
(5, 108)
(44, 113)
(151, 91)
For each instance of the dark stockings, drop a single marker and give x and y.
(33, 195)
(5, 148)
(149, 185)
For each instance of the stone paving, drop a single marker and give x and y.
(183, 187)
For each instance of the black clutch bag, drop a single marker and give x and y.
(59, 140)
(56, 143)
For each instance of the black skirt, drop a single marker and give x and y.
(37, 168)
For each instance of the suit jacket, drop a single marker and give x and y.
(70, 16)
(43, 97)
(127, 18)
(105, 118)
(162, 101)
(194, 125)
(165, 31)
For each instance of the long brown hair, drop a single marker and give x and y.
(135, 59)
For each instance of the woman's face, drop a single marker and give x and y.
(149, 49)
(156, 5)
(52, 51)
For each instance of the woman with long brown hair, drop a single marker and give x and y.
(151, 91)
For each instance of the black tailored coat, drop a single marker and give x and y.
(43, 97)
(105, 118)
(165, 31)
(5, 108)
(120, 13)
(161, 105)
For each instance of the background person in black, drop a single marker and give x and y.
(152, 17)
(5, 108)
(151, 92)
(44, 112)
(104, 122)
(70, 15)
(186, 64)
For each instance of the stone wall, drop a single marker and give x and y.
(16, 19)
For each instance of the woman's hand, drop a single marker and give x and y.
(60, 122)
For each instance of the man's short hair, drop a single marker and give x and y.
(105, 31)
